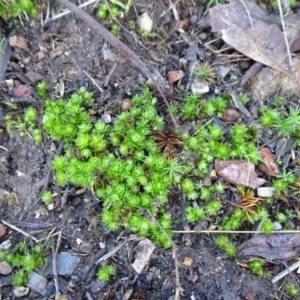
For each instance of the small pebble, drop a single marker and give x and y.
(194, 19)
(203, 36)
(5, 245)
(277, 226)
(265, 192)
(106, 118)
(5, 268)
(199, 87)
(230, 115)
(126, 104)
(86, 246)
(145, 22)
(21, 291)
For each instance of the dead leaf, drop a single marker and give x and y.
(57, 51)
(238, 172)
(273, 246)
(22, 91)
(144, 250)
(185, 23)
(174, 76)
(260, 41)
(18, 42)
(194, 278)
(269, 166)
(33, 77)
(188, 261)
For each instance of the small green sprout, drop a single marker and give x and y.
(30, 116)
(224, 243)
(41, 89)
(267, 226)
(47, 197)
(206, 72)
(256, 266)
(194, 214)
(291, 289)
(244, 98)
(115, 29)
(16, 8)
(105, 273)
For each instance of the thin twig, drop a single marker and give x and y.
(178, 289)
(284, 33)
(66, 12)
(94, 81)
(107, 79)
(232, 231)
(286, 271)
(116, 249)
(54, 253)
(20, 230)
(248, 13)
(239, 105)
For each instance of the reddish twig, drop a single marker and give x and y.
(116, 43)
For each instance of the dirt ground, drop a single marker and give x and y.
(79, 61)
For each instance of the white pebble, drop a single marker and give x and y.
(265, 192)
(145, 22)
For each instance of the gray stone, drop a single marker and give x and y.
(5, 268)
(5, 245)
(38, 283)
(21, 291)
(66, 264)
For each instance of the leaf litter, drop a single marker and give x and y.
(258, 40)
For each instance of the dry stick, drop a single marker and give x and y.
(68, 11)
(284, 33)
(54, 253)
(107, 79)
(232, 231)
(286, 271)
(178, 289)
(93, 81)
(239, 105)
(248, 13)
(116, 249)
(20, 230)
(121, 47)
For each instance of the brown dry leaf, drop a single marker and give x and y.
(238, 172)
(18, 42)
(174, 76)
(34, 77)
(187, 261)
(57, 51)
(263, 42)
(22, 91)
(269, 166)
(273, 246)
